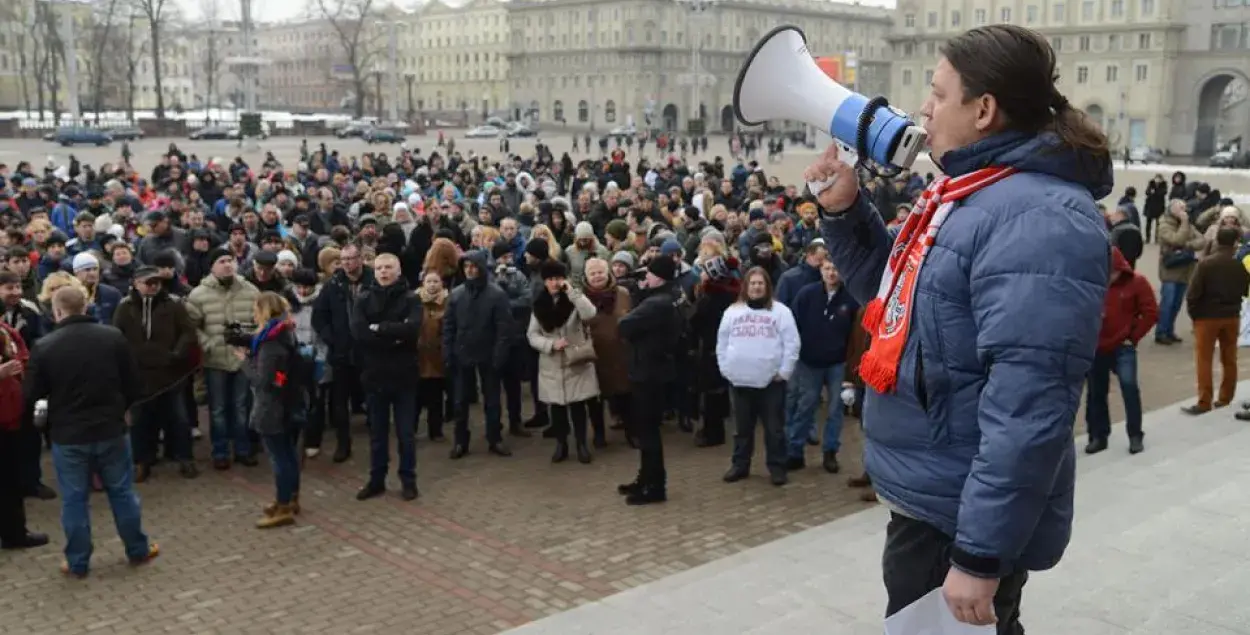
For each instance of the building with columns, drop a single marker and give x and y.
(457, 58)
(583, 64)
(1169, 74)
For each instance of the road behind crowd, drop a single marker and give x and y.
(492, 543)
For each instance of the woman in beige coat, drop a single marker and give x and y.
(566, 361)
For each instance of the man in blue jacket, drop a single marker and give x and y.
(824, 313)
(984, 324)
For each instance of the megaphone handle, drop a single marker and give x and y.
(816, 187)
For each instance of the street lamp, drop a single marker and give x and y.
(485, 107)
(409, 78)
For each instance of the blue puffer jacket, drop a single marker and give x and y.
(977, 438)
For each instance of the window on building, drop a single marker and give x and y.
(930, 48)
(954, 18)
(1087, 11)
(932, 19)
(1143, 40)
(1113, 42)
(928, 77)
(1030, 15)
(907, 77)
(1082, 74)
(1141, 72)
(1083, 43)
(908, 49)
(1057, 13)
(978, 16)
(609, 112)
(1056, 43)
(1117, 9)
(1228, 37)
(1147, 7)
(1004, 14)
(1113, 73)
(909, 20)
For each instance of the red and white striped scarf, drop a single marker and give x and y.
(887, 318)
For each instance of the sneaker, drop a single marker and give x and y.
(196, 435)
(312, 453)
(370, 490)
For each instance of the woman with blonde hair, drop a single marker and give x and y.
(443, 258)
(271, 363)
(553, 247)
(611, 303)
(53, 283)
(327, 263)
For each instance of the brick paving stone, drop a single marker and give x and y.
(492, 543)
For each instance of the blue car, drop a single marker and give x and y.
(74, 136)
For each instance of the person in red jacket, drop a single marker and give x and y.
(13, 357)
(1128, 314)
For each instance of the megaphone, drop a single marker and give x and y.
(780, 80)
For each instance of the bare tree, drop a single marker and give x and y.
(156, 12)
(211, 56)
(133, 50)
(102, 40)
(351, 20)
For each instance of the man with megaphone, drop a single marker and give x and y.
(984, 315)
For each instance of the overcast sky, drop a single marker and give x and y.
(281, 10)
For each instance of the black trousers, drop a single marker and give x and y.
(560, 416)
(647, 410)
(343, 389)
(432, 397)
(317, 416)
(618, 405)
(12, 507)
(916, 560)
(510, 380)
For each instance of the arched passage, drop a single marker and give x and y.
(1221, 97)
(727, 119)
(557, 111)
(1095, 114)
(670, 117)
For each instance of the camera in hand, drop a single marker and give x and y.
(239, 334)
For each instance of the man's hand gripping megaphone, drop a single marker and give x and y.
(832, 181)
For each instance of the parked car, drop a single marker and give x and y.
(1229, 159)
(1144, 154)
(518, 129)
(70, 136)
(129, 133)
(354, 129)
(483, 132)
(621, 131)
(383, 135)
(497, 122)
(214, 132)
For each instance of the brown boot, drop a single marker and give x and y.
(272, 507)
(281, 516)
(859, 481)
(868, 496)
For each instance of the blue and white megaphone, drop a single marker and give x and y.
(780, 80)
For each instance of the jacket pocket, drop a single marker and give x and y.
(933, 376)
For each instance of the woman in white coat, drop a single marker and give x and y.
(567, 379)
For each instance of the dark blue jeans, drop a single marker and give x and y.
(228, 396)
(113, 461)
(387, 403)
(1171, 297)
(164, 412)
(489, 380)
(806, 384)
(767, 406)
(283, 452)
(1123, 362)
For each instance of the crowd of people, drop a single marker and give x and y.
(963, 314)
(290, 295)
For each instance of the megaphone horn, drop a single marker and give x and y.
(780, 80)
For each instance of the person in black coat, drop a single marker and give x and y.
(1156, 200)
(331, 319)
(477, 338)
(386, 323)
(716, 291)
(652, 328)
(88, 396)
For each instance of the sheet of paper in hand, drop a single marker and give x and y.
(930, 616)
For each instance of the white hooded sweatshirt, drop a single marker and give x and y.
(753, 346)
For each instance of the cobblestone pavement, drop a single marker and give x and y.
(491, 544)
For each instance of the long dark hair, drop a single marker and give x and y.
(744, 298)
(1017, 67)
